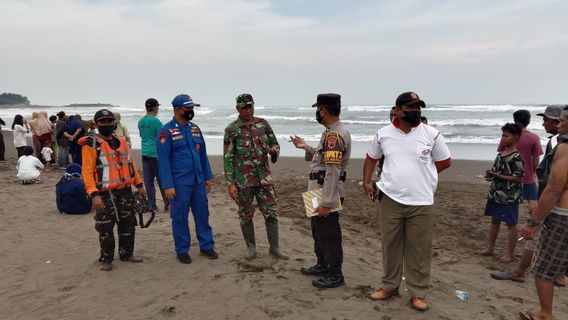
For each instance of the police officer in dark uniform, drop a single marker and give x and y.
(186, 178)
(327, 171)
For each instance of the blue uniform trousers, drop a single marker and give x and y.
(195, 197)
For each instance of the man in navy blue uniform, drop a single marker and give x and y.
(186, 178)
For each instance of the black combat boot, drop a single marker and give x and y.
(333, 279)
(316, 270)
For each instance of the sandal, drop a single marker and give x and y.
(506, 275)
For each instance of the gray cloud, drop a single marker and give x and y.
(65, 51)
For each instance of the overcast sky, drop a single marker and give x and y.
(284, 52)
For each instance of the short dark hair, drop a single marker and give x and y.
(523, 117)
(28, 151)
(513, 128)
(566, 108)
(334, 111)
(52, 118)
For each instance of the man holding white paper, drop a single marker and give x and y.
(327, 171)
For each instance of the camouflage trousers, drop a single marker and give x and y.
(106, 219)
(265, 198)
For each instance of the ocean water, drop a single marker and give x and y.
(472, 131)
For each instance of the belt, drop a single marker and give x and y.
(560, 211)
(320, 175)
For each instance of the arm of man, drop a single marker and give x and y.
(206, 166)
(163, 149)
(441, 152)
(368, 168)
(374, 153)
(228, 163)
(138, 182)
(556, 186)
(332, 155)
(274, 147)
(88, 168)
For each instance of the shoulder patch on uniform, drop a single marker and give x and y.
(163, 135)
(333, 148)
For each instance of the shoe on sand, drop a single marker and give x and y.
(419, 303)
(106, 266)
(506, 275)
(133, 258)
(383, 294)
(184, 258)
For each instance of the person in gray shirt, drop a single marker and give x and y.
(329, 161)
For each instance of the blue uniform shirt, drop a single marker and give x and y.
(182, 156)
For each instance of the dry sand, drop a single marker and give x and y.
(48, 266)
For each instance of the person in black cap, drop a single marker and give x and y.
(108, 173)
(327, 171)
(414, 153)
(148, 127)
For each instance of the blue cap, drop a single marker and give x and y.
(183, 100)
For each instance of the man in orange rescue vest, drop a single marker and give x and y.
(108, 172)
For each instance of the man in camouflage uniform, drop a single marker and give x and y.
(327, 171)
(247, 144)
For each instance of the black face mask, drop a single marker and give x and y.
(107, 130)
(188, 115)
(412, 117)
(319, 118)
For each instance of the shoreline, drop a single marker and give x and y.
(461, 170)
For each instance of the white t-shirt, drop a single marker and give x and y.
(409, 174)
(20, 136)
(46, 153)
(28, 168)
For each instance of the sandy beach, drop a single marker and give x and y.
(49, 268)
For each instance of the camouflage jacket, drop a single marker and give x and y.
(245, 153)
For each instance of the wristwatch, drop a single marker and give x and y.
(531, 223)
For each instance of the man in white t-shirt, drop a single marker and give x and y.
(414, 153)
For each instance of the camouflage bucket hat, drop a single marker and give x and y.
(244, 100)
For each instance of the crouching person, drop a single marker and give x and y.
(70, 193)
(108, 174)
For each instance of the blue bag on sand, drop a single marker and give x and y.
(71, 196)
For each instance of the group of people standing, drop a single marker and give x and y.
(175, 154)
(408, 149)
(518, 174)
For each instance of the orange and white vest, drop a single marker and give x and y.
(114, 169)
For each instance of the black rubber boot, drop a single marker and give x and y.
(333, 279)
(248, 235)
(272, 233)
(317, 270)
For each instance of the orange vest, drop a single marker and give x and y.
(114, 169)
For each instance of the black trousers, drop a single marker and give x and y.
(2, 147)
(327, 241)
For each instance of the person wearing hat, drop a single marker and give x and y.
(551, 257)
(186, 176)
(414, 153)
(247, 145)
(550, 121)
(108, 172)
(327, 171)
(148, 127)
